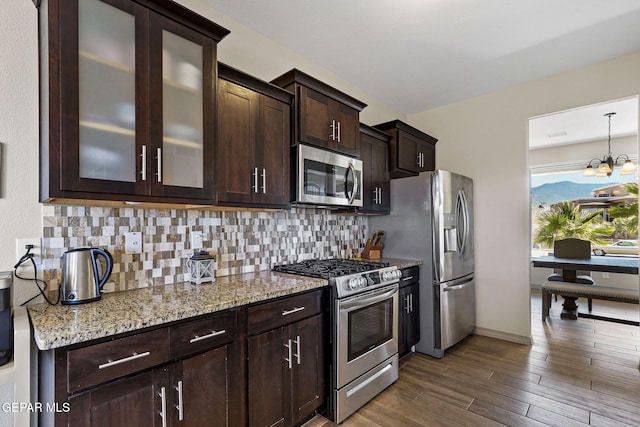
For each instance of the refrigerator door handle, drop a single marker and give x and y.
(457, 287)
(456, 282)
(462, 218)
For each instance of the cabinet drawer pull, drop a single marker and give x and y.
(298, 356)
(180, 406)
(295, 310)
(135, 356)
(143, 167)
(255, 179)
(159, 157)
(407, 278)
(163, 408)
(204, 337)
(288, 359)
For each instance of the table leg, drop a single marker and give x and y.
(569, 308)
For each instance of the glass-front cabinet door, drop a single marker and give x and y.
(137, 104)
(102, 124)
(181, 102)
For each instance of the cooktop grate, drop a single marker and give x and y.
(328, 268)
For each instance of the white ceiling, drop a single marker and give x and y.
(584, 124)
(414, 55)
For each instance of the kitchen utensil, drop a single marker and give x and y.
(83, 276)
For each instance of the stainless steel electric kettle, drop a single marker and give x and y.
(83, 275)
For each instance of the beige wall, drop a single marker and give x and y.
(20, 212)
(486, 138)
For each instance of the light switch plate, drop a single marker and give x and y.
(196, 239)
(133, 242)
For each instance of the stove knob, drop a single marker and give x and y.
(397, 274)
(386, 276)
(363, 282)
(353, 283)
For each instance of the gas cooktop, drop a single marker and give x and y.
(347, 276)
(328, 268)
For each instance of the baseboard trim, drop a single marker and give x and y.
(505, 336)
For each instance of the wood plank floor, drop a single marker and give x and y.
(577, 372)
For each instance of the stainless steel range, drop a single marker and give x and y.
(364, 321)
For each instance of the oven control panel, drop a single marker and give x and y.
(360, 282)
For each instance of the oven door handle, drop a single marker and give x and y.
(360, 301)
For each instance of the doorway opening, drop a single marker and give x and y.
(561, 146)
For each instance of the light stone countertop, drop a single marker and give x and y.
(118, 312)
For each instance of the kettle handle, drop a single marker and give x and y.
(109, 260)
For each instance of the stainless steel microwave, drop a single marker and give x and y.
(327, 178)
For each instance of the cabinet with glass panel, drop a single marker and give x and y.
(128, 101)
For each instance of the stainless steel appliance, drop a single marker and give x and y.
(83, 276)
(432, 219)
(326, 178)
(6, 318)
(364, 323)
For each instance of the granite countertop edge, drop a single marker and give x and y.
(119, 312)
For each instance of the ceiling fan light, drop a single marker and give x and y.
(628, 168)
(589, 171)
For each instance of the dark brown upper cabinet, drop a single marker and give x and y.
(411, 151)
(325, 116)
(374, 153)
(254, 141)
(128, 101)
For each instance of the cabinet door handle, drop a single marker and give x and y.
(159, 159)
(255, 179)
(163, 408)
(294, 310)
(288, 360)
(406, 307)
(204, 337)
(143, 167)
(264, 181)
(379, 195)
(333, 130)
(134, 356)
(338, 131)
(180, 406)
(411, 302)
(298, 356)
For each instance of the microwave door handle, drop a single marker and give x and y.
(355, 184)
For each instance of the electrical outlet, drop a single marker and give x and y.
(196, 239)
(133, 242)
(21, 249)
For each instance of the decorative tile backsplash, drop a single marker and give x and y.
(240, 241)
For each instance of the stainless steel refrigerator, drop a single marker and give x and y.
(432, 220)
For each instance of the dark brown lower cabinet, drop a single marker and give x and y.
(117, 404)
(409, 318)
(286, 373)
(190, 373)
(192, 392)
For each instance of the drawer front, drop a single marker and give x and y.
(271, 315)
(203, 334)
(98, 363)
(410, 276)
